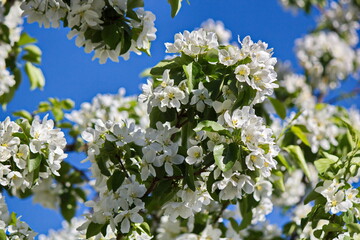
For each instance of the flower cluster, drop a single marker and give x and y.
(29, 153)
(326, 58)
(202, 128)
(322, 130)
(338, 199)
(12, 22)
(343, 18)
(92, 21)
(252, 64)
(113, 107)
(218, 28)
(193, 43)
(11, 226)
(119, 203)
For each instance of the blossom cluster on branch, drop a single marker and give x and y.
(109, 28)
(220, 136)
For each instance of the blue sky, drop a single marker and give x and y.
(70, 73)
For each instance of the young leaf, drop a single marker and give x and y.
(33, 54)
(34, 163)
(298, 156)
(300, 134)
(279, 107)
(35, 75)
(175, 7)
(323, 164)
(24, 114)
(209, 126)
(26, 39)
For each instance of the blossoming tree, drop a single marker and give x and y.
(220, 135)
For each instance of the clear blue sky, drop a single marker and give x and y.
(70, 73)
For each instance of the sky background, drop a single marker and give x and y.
(70, 72)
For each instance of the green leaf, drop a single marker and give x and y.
(284, 162)
(279, 180)
(157, 115)
(34, 163)
(80, 193)
(177, 62)
(246, 206)
(209, 126)
(43, 107)
(93, 229)
(2, 235)
(116, 179)
(353, 227)
(298, 156)
(13, 219)
(126, 43)
(35, 75)
(332, 227)
(131, 4)
(298, 131)
(68, 206)
(175, 7)
(348, 217)
(111, 35)
(33, 54)
(26, 39)
(101, 162)
(225, 157)
(323, 164)
(24, 114)
(58, 113)
(312, 196)
(209, 184)
(212, 56)
(279, 107)
(22, 137)
(318, 233)
(67, 104)
(333, 158)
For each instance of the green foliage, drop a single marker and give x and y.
(175, 7)
(36, 77)
(279, 107)
(225, 156)
(93, 229)
(56, 107)
(298, 156)
(33, 54)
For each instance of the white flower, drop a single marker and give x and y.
(229, 56)
(242, 73)
(264, 208)
(194, 43)
(263, 189)
(336, 203)
(200, 98)
(233, 184)
(218, 28)
(195, 155)
(21, 156)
